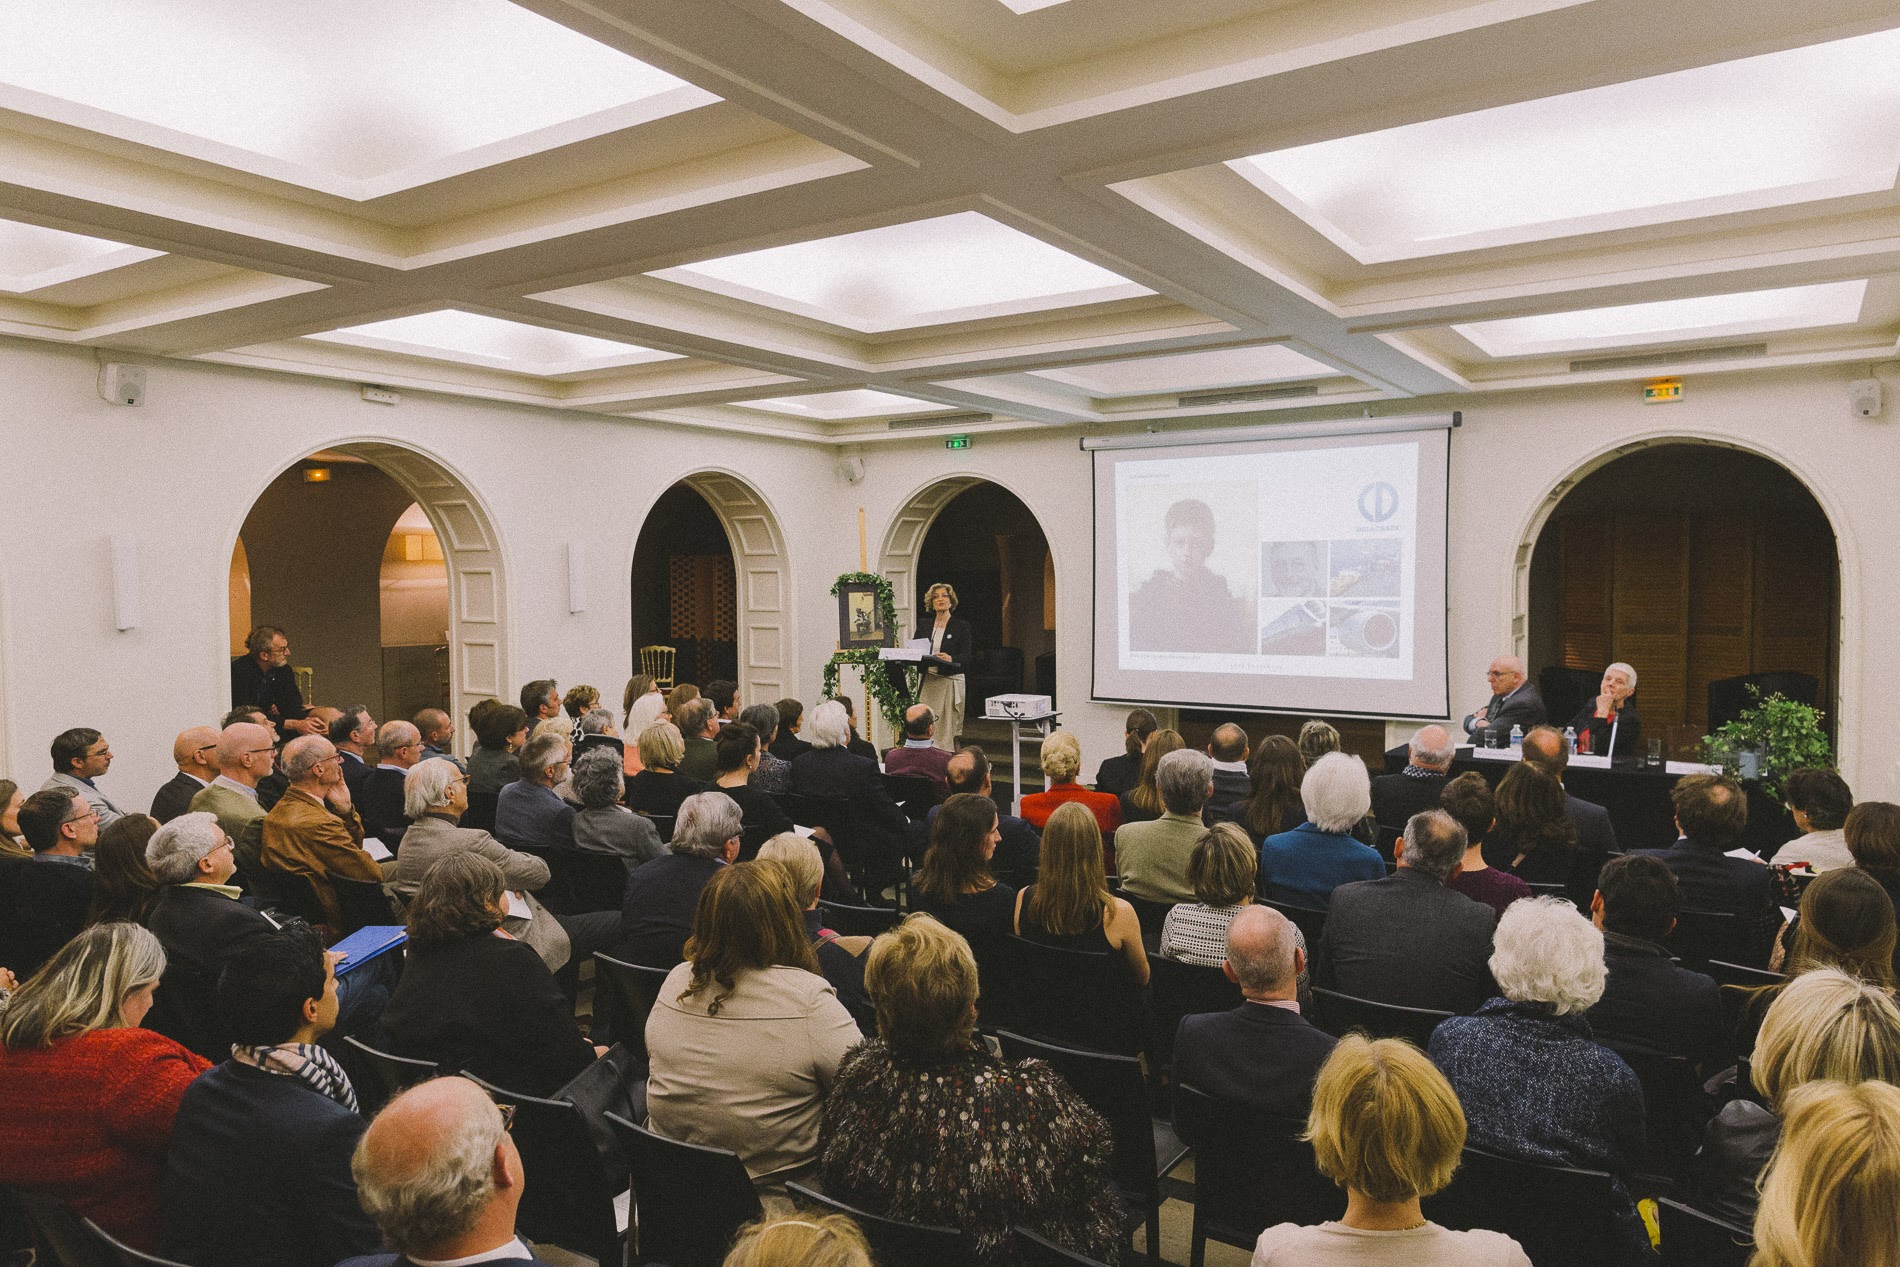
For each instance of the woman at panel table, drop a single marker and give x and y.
(1614, 708)
(950, 646)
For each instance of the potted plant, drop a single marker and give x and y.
(1780, 734)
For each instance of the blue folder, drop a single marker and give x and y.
(366, 944)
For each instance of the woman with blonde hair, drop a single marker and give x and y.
(746, 1035)
(1069, 905)
(1061, 763)
(1386, 1127)
(951, 643)
(1317, 738)
(1831, 1192)
(805, 1240)
(1143, 803)
(90, 1097)
(1825, 1025)
(659, 788)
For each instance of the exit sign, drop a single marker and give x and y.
(957, 442)
(1662, 390)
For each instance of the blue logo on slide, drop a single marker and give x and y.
(1378, 502)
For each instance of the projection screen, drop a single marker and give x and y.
(1274, 574)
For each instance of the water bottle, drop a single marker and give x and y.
(1517, 738)
(1570, 740)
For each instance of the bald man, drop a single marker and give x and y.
(195, 753)
(439, 1173)
(1229, 749)
(247, 754)
(1263, 1053)
(313, 830)
(1514, 702)
(1396, 797)
(919, 755)
(379, 796)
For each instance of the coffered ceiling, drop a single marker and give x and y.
(840, 219)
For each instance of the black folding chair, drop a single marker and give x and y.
(1175, 990)
(364, 904)
(662, 825)
(121, 1252)
(1251, 1170)
(481, 810)
(689, 1200)
(628, 992)
(379, 1075)
(1146, 1148)
(1691, 1238)
(1339, 1014)
(1310, 920)
(1703, 936)
(1562, 1217)
(1675, 1107)
(858, 921)
(1039, 1251)
(59, 1230)
(571, 1201)
(913, 793)
(592, 881)
(289, 893)
(1151, 915)
(892, 1240)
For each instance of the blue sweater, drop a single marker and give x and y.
(1305, 865)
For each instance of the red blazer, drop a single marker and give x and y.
(1037, 806)
(88, 1120)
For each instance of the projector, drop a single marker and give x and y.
(1017, 707)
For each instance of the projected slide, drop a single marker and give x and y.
(1284, 574)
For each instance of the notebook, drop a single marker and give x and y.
(368, 943)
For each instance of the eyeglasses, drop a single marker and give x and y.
(80, 818)
(209, 747)
(251, 752)
(507, 1116)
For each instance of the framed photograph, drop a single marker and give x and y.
(859, 622)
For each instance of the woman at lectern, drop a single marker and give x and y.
(1612, 711)
(950, 646)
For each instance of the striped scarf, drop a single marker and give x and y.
(306, 1062)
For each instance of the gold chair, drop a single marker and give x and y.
(657, 662)
(306, 683)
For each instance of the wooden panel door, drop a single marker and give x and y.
(1721, 604)
(1650, 610)
(1584, 558)
(1794, 599)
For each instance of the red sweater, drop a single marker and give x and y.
(1038, 806)
(87, 1120)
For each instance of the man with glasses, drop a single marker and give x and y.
(246, 755)
(81, 755)
(1514, 702)
(314, 831)
(44, 899)
(195, 753)
(379, 795)
(262, 676)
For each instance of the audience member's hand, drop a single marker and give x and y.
(8, 981)
(304, 725)
(338, 795)
(599, 1051)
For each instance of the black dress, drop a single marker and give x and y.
(1029, 928)
(1629, 729)
(652, 793)
(988, 914)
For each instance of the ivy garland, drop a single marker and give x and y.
(886, 697)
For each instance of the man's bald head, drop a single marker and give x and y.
(395, 738)
(1544, 747)
(324, 715)
(919, 721)
(1261, 952)
(240, 739)
(434, 726)
(1431, 748)
(195, 749)
(1228, 743)
(968, 770)
(1506, 674)
(433, 1163)
(304, 754)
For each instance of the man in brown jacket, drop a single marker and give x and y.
(314, 831)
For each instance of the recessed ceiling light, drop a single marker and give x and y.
(857, 402)
(1191, 371)
(33, 258)
(1768, 131)
(947, 268)
(1671, 320)
(494, 342)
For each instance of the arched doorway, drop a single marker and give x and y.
(986, 542)
(1694, 562)
(708, 579)
(385, 571)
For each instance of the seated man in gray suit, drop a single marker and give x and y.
(1514, 702)
(1407, 939)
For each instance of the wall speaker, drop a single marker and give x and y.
(851, 470)
(122, 384)
(1864, 398)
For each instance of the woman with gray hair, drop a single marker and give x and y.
(1611, 713)
(604, 825)
(1534, 1082)
(1303, 866)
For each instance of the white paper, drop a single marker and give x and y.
(518, 907)
(806, 832)
(1691, 767)
(376, 849)
(904, 655)
(1749, 854)
(1787, 913)
(1589, 761)
(1494, 754)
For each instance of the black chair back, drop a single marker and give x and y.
(858, 921)
(1152, 915)
(363, 903)
(1728, 696)
(689, 1201)
(662, 825)
(1251, 1170)
(481, 810)
(1039, 1251)
(913, 793)
(592, 881)
(1177, 989)
(891, 1240)
(288, 893)
(1560, 1216)
(60, 1230)
(43, 906)
(1675, 1106)
(1726, 973)
(1080, 998)
(1703, 936)
(624, 993)
(1311, 921)
(1565, 690)
(570, 1203)
(1339, 1014)
(121, 1252)
(379, 1075)
(1691, 1238)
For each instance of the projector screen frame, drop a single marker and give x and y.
(1448, 423)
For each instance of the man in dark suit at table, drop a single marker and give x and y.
(1263, 1053)
(1514, 702)
(195, 753)
(1415, 789)
(1711, 810)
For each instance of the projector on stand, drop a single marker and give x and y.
(1017, 707)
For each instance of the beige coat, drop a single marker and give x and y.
(431, 839)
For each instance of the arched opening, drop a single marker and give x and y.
(385, 573)
(1694, 563)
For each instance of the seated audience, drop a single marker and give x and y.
(1273, 802)
(1396, 797)
(314, 830)
(12, 845)
(723, 695)
(1873, 838)
(353, 734)
(1649, 999)
(541, 700)
(698, 758)
(80, 757)
(596, 730)
(474, 999)
(1534, 1083)
(437, 729)
(1302, 867)
(1820, 801)
(603, 824)
(646, 711)
(499, 735)
(841, 959)
(833, 769)
(59, 826)
(919, 756)
(262, 679)
(195, 753)
(1142, 803)
(1061, 762)
(435, 797)
(1228, 750)
(1387, 1128)
(1264, 1053)
(530, 814)
(1846, 922)
(1536, 838)
(90, 1095)
(954, 884)
(577, 703)
(1224, 872)
(1831, 1192)
(857, 745)
(737, 750)
(679, 696)
(379, 802)
(1069, 905)
(1316, 739)
(1826, 1025)
(925, 1125)
(1152, 856)
(122, 885)
(774, 773)
(660, 788)
(1711, 811)
(439, 1173)
(1118, 774)
(1406, 938)
(1608, 724)
(1018, 851)
(258, 1173)
(788, 746)
(1545, 748)
(246, 756)
(662, 896)
(44, 899)
(806, 1240)
(1473, 806)
(745, 1037)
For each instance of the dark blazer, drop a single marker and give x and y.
(1710, 880)
(1409, 940)
(275, 691)
(1257, 1055)
(787, 746)
(174, 798)
(1596, 843)
(760, 812)
(201, 930)
(1525, 708)
(1232, 790)
(834, 772)
(258, 1174)
(652, 793)
(379, 805)
(487, 1005)
(1654, 1002)
(701, 760)
(43, 906)
(656, 915)
(397, 1260)
(1396, 797)
(530, 815)
(1629, 729)
(1595, 832)
(957, 644)
(1118, 774)
(355, 774)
